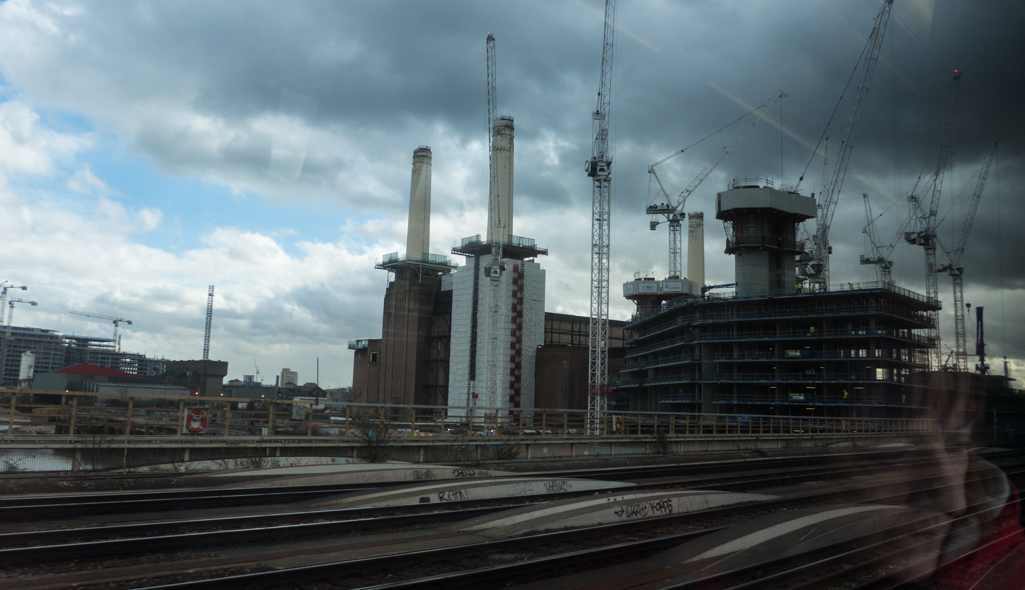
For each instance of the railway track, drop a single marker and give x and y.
(265, 533)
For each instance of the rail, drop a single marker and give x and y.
(65, 415)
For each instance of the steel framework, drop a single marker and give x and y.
(598, 169)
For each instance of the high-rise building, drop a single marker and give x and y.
(498, 309)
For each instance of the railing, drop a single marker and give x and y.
(72, 415)
(512, 241)
(725, 297)
(425, 257)
(359, 344)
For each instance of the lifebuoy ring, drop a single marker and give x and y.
(617, 423)
(195, 421)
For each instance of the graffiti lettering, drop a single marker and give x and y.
(424, 474)
(452, 496)
(556, 486)
(643, 509)
(524, 488)
(469, 473)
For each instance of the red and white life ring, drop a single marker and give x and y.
(617, 423)
(195, 421)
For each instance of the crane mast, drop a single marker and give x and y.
(494, 268)
(6, 285)
(673, 212)
(877, 257)
(206, 338)
(816, 265)
(598, 169)
(957, 271)
(925, 234)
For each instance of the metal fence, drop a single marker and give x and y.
(54, 414)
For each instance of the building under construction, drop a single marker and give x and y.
(775, 346)
(53, 351)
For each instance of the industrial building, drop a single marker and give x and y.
(409, 363)
(774, 346)
(53, 351)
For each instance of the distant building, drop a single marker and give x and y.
(289, 377)
(189, 374)
(54, 351)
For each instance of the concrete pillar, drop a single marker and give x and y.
(500, 195)
(418, 232)
(696, 248)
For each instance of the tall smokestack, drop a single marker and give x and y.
(418, 232)
(500, 195)
(696, 248)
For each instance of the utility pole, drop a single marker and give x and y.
(598, 169)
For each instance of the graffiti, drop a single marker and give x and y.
(556, 486)
(452, 496)
(424, 474)
(469, 473)
(524, 488)
(643, 509)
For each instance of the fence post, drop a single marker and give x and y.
(565, 424)
(74, 415)
(181, 415)
(128, 416)
(10, 419)
(227, 418)
(544, 422)
(309, 425)
(444, 420)
(412, 422)
(701, 423)
(346, 420)
(672, 424)
(270, 420)
(521, 421)
(654, 423)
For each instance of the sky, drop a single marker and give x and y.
(149, 149)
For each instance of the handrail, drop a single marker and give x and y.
(143, 417)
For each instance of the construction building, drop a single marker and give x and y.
(774, 346)
(53, 351)
(498, 303)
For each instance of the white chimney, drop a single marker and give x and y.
(418, 232)
(500, 195)
(696, 248)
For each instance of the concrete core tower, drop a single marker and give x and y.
(761, 231)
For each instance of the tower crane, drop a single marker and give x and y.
(815, 265)
(206, 338)
(956, 271)
(880, 254)
(113, 319)
(4, 287)
(495, 267)
(7, 336)
(925, 231)
(598, 168)
(673, 211)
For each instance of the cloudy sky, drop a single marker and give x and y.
(149, 149)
